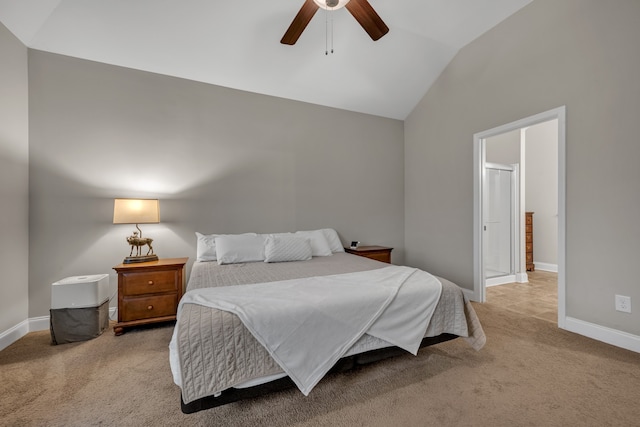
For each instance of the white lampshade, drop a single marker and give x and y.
(136, 211)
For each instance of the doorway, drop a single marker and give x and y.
(480, 185)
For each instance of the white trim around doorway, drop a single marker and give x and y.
(479, 161)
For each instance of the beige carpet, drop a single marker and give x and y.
(529, 374)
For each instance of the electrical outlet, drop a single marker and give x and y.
(623, 303)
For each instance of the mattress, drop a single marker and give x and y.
(212, 351)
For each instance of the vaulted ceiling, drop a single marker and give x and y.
(236, 44)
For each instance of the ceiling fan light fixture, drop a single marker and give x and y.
(361, 10)
(331, 4)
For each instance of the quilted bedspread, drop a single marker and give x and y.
(212, 350)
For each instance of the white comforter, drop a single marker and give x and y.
(308, 324)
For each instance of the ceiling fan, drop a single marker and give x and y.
(360, 9)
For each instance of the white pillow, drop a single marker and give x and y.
(319, 244)
(206, 245)
(334, 241)
(278, 248)
(239, 248)
(276, 234)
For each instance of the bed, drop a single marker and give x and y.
(215, 358)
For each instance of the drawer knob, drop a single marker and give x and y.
(151, 282)
(150, 307)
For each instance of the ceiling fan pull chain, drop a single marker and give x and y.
(326, 31)
(328, 23)
(332, 32)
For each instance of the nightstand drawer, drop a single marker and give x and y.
(150, 282)
(380, 256)
(149, 307)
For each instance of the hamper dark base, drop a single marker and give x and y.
(68, 325)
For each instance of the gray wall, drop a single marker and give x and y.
(14, 181)
(541, 194)
(504, 148)
(578, 53)
(219, 160)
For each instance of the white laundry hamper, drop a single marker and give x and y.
(79, 308)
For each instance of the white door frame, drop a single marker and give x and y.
(479, 161)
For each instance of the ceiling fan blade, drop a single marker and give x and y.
(368, 18)
(299, 23)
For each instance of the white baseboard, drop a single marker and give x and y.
(41, 323)
(502, 280)
(469, 294)
(522, 278)
(34, 324)
(604, 334)
(546, 266)
(13, 334)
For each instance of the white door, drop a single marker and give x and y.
(499, 225)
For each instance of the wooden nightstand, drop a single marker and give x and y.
(148, 292)
(379, 253)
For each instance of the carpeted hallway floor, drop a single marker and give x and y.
(530, 373)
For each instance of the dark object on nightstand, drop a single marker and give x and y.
(149, 292)
(379, 253)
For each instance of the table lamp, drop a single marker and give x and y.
(137, 211)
